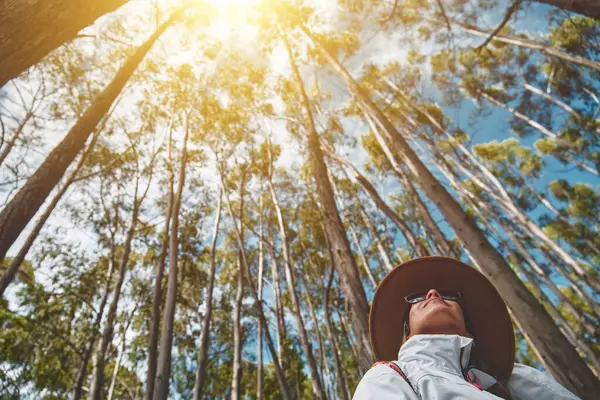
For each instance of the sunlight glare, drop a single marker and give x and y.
(232, 19)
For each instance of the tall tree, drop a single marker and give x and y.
(23, 206)
(163, 371)
(342, 253)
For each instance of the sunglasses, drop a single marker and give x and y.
(449, 295)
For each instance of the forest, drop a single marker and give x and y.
(198, 198)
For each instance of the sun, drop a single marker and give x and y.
(231, 18)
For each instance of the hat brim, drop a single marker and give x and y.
(482, 305)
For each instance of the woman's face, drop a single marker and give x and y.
(435, 315)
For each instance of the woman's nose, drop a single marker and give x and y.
(432, 293)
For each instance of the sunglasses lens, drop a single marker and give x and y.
(449, 295)
(415, 297)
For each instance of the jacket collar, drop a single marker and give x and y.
(450, 353)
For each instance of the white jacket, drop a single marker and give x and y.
(433, 365)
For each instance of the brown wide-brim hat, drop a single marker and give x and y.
(481, 303)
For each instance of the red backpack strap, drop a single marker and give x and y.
(396, 368)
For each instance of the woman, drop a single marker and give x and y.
(450, 336)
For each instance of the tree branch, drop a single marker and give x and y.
(509, 13)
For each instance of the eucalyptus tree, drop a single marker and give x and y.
(142, 170)
(268, 170)
(203, 345)
(342, 253)
(23, 206)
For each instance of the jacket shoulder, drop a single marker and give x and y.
(527, 383)
(382, 382)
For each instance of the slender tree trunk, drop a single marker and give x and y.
(426, 216)
(259, 339)
(113, 381)
(385, 257)
(95, 327)
(533, 45)
(590, 243)
(553, 99)
(244, 262)
(532, 318)
(315, 321)
(317, 385)
(342, 253)
(13, 139)
(163, 370)
(15, 263)
(355, 238)
(576, 284)
(412, 240)
(340, 377)
(281, 330)
(31, 29)
(347, 336)
(236, 378)
(589, 8)
(157, 295)
(205, 333)
(362, 256)
(95, 392)
(19, 211)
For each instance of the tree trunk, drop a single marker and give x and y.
(259, 340)
(317, 329)
(157, 292)
(19, 211)
(13, 139)
(362, 256)
(340, 377)
(205, 333)
(236, 378)
(163, 370)
(533, 45)
(540, 275)
(113, 382)
(95, 328)
(95, 392)
(281, 330)
(590, 243)
(16, 262)
(589, 8)
(347, 336)
(412, 240)
(532, 318)
(342, 253)
(385, 257)
(31, 29)
(355, 238)
(244, 263)
(425, 215)
(317, 385)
